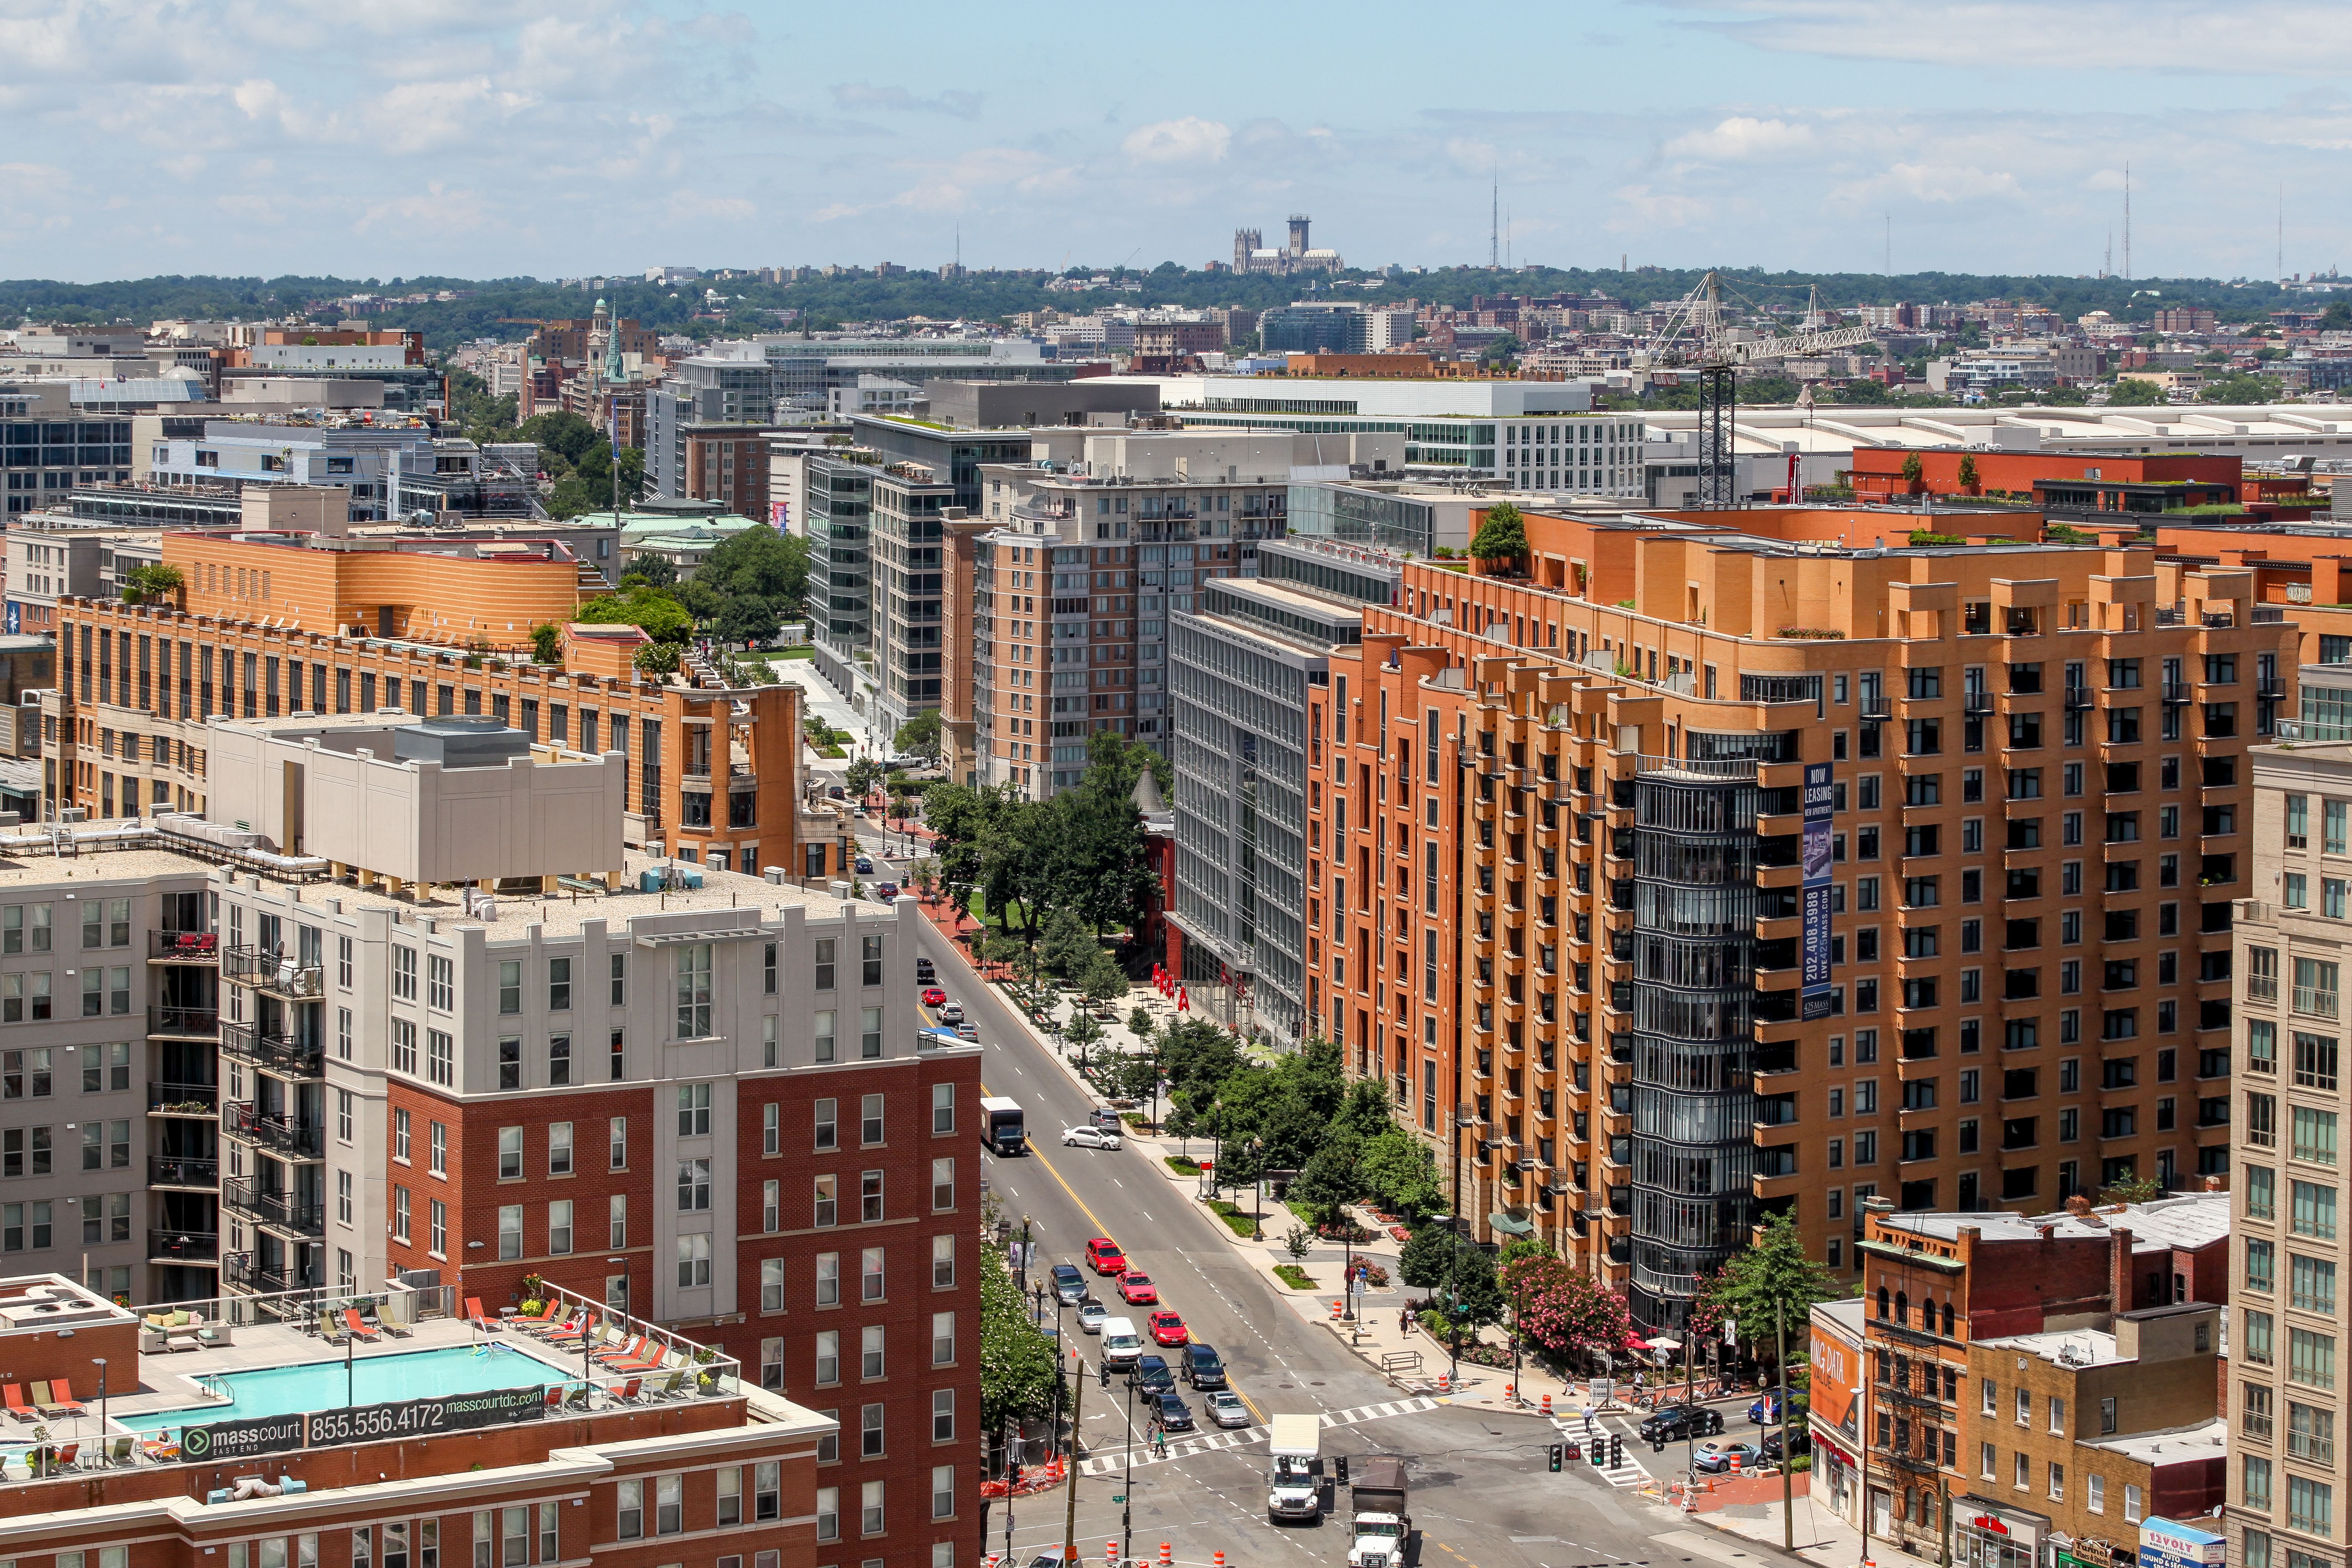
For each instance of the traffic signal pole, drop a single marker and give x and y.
(1788, 1450)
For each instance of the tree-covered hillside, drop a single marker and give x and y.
(502, 308)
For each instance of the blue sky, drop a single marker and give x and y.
(484, 138)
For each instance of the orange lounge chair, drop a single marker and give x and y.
(569, 1336)
(357, 1328)
(650, 1362)
(630, 1351)
(475, 1315)
(550, 1311)
(628, 1392)
(63, 1399)
(13, 1395)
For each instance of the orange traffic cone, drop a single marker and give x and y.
(1547, 1406)
(1445, 1382)
(1166, 1555)
(1220, 1561)
(1510, 1393)
(1335, 1311)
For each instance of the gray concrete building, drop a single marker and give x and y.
(1240, 668)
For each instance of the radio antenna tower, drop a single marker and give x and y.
(2127, 221)
(1494, 224)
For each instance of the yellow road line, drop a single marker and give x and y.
(1104, 1230)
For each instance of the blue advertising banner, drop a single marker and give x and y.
(1814, 899)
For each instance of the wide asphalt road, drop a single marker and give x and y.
(1481, 1494)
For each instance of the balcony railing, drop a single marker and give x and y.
(171, 1170)
(2314, 1002)
(2077, 698)
(183, 1245)
(279, 1134)
(281, 1054)
(185, 946)
(274, 971)
(183, 1099)
(185, 1022)
(240, 1193)
(2174, 693)
(240, 1269)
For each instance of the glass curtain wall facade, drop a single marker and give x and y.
(1693, 893)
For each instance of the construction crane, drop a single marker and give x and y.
(1694, 337)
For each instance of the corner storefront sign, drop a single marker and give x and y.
(2165, 1544)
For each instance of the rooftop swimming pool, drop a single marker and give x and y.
(373, 1380)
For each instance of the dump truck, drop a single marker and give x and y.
(1381, 1524)
(1296, 1481)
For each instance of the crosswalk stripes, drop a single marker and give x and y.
(1624, 1476)
(1104, 1463)
(1374, 1412)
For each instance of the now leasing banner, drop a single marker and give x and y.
(1814, 897)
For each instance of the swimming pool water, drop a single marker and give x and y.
(375, 1379)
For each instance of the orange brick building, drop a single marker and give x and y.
(287, 625)
(1555, 890)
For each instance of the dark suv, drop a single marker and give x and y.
(1676, 1422)
(1202, 1368)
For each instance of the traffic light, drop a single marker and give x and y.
(1556, 1456)
(1339, 1469)
(1616, 1451)
(1105, 1370)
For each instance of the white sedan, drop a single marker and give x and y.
(1226, 1409)
(1089, 1138)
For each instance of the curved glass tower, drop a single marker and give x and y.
(1694, 847)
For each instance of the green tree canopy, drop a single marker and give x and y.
(1778, 1269)
(2136, 392)
(1398, 1169)
(650, 610)
(1327, 1182)
(1018, 1366)
(1503, 536)
(919, 736)
(1427, 1256)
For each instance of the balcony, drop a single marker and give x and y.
(1975, 702)
(183, 1100)
(2077, 698)
(241, 1270)
(183, 947)
(184, 1023)
(277, 1209)
(279, 1054)
(276, 973)
(171, 1170)
(2175, 694)
(281, 1135)
(183, 1246)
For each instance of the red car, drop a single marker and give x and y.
(1104, 1256)
(933, 996)
(1136, 1289)
(1168, 1329)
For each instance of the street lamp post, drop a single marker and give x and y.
(100, 1361)
(1024, 1252)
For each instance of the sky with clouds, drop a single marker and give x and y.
(492, 137)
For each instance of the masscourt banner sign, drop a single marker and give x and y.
(429, 1418)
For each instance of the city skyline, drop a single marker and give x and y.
(503, 139)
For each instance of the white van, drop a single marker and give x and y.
(1120, 1343)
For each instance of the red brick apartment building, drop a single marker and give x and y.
(1555, 895)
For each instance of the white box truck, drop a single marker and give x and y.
(1296, 1482)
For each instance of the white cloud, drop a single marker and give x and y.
(1191, 139)
(858, 95)
(2280, 38)
(1742, 137)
